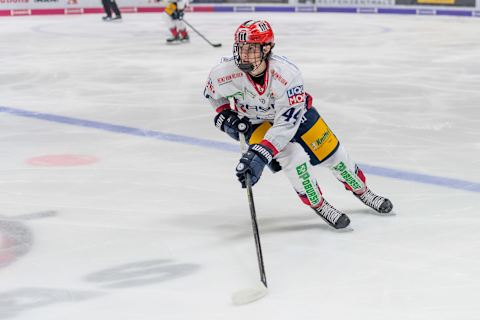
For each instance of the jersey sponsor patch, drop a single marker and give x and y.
(229, 78)
(279, 78)
(296, 95)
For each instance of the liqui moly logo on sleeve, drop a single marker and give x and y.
(296, 95)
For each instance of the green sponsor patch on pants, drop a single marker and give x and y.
(302, 172)
(351, 179)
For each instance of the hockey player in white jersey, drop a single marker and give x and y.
(284, 131)
(175, 10)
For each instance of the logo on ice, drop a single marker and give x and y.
(296, 95)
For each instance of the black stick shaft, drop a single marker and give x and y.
(253, 214)
(201, 35)
(256, 234)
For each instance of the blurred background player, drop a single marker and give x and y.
(108, 7)
(284, 131)
(178, 29)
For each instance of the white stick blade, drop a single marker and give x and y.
(249, 295)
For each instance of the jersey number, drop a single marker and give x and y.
(290, 113)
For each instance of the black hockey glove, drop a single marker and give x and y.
(229, 122)
(177, 14)
(253, 162)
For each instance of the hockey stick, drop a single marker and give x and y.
(251, 294)
(215, 45)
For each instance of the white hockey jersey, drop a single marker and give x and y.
(280, 101)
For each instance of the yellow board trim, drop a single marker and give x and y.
(259, 133)
(436, 1)
(320, 140)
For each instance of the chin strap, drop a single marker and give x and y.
(245, 67)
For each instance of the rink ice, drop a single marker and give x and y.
(161, 230)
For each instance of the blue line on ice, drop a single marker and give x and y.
(375, 170)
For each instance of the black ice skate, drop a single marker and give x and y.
(173, 40)
(118, 18)
(376, 202)
(107, 18)
(332, 216)
(185, 38)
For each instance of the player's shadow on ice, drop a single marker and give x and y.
(295, 223)
(272, 225)
(369, 212)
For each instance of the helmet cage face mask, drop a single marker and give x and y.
(254, 52)
(251, 38)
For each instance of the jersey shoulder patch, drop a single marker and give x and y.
(283, 72)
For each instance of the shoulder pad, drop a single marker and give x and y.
(285, 61)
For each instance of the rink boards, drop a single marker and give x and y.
(467, 8)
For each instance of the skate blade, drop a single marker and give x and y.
(249, 295)
(343, 230)
(388, 214)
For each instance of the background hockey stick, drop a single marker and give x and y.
(215, 45)
(251, 294)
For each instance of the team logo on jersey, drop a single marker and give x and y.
(296, 95)
(236, 95)
(209, 87)
(229, 78)
(279, 78)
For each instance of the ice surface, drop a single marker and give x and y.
(158, 227)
